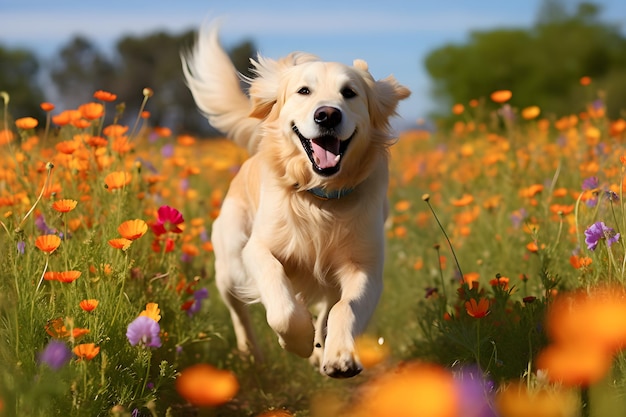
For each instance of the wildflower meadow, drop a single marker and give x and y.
(505, 275)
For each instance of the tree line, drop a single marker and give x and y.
(81, 68)
(540, 64)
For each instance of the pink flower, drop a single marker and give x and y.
(168, 219)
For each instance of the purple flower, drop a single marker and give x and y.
(56, 355)
(475, 391)
(144, 331)
(21, 247)
(591, 183)
(167, 151)
(598, 231)
(198, 296)
(43, 227)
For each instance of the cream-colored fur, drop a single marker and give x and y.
(275, 241)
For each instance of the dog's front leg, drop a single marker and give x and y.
(286, 315)
(347, 319)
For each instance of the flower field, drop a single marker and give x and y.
(505, 275)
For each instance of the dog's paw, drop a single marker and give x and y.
(343, 365)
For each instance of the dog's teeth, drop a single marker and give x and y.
(337, 158)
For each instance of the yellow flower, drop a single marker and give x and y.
(152, 310)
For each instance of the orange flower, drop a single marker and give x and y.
(115, 130)
(45, 106)
(48, 243)
(6, 136)
(26, 123)
(91, 111)
(412, 389)
(186, 140)
(531, 191)
(56, 328)
(120, 243)
(531, 112)
(402, 205)
(133, 229)
(471, 279)
(163, 132)
(562, 209)
(68, 276)
(584, 81)
(204, 385)
(145, 114)
(466, 200)
(573, 364)
(152, 310)
(502, 282)
(371, 350)
(104, 95)
(501, 96)
(66, 117)
(580, 261)
(89, 305)
(458, 109)
(67, 147)
(64, 206)
(117, 179)
(86, 351)
(477, 309)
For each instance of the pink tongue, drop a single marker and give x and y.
(325, 151)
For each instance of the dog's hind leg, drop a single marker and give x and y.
(230, 276)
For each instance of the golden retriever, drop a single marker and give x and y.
(302, 223)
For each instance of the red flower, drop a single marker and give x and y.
(168, 219)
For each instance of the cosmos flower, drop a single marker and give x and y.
(478, 309)
(144, 331)
(168, 219)
(56, 354)
(598, 231)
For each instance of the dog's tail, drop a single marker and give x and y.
(216, 87)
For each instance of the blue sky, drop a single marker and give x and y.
(393, 36)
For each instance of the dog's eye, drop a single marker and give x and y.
(347, 92)
(304, 91)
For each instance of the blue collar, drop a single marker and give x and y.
(319, 192)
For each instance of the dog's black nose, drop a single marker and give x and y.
(327, 117)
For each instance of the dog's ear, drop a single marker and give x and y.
(385, 95)
(265, 86)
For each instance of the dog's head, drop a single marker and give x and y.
(324, 123)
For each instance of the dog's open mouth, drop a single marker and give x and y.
(325, 152)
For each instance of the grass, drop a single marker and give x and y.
(510, 189)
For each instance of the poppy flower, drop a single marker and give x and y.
(115, 130)
(89, 305)
(478, 309)
(56, 355)
(168, 219)
(501, 96)
(152, 311)
(67, 147)
(86, 351)
(465, 200)
(91, 111)
(104, 96)
(64, 206)
(117, 179)
(531, 112)
(186, 140)
(56, 328)
(574, 364)
(45, 106)
(203, 385)
(68, 276)
(597, 232)
(144, 331)
(48, 243)
(120, 243)
(26, 123)
(133, 229)
(411, 390)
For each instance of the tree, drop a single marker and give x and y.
(18, 77)
(541, 65)
(81, 70)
